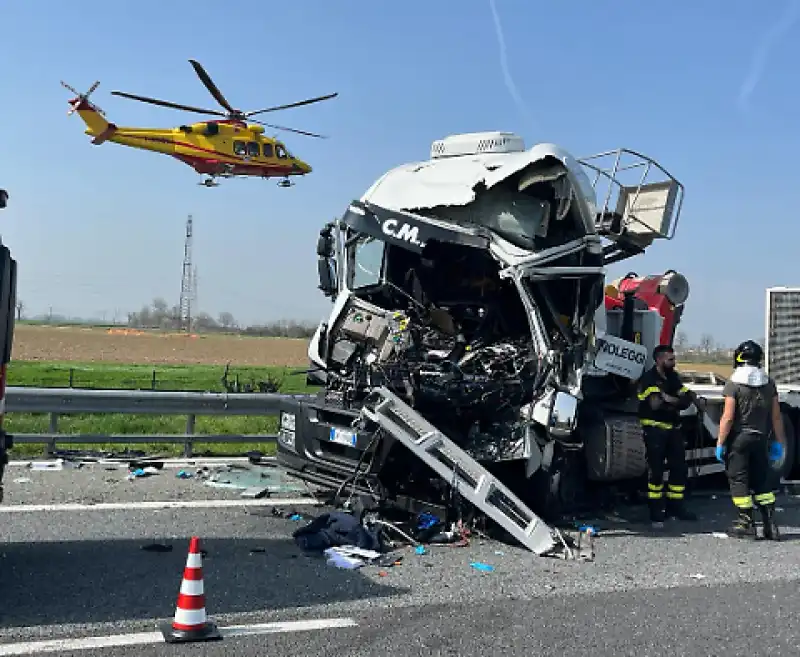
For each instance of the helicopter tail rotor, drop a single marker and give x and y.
(80, 98)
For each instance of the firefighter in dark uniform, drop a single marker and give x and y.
(662, 396)
(751, 409)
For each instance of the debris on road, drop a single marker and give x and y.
(266, 477)
(138, 473)
(157, 547)
(483, 567)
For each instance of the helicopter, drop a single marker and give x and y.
(217, 148)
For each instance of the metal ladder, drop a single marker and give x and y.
(457, 467)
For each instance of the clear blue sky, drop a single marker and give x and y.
(710, 89)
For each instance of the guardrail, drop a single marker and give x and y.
(64, 401)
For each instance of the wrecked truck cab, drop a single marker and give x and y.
(471, 287)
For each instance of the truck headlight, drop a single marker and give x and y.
(288, 421)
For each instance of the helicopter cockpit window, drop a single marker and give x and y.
(268, 150)
(280, 151)
(253, 149)
(239, 148)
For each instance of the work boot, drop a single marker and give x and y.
(771, 531)
(744, 525)
(677, 509)
(657, 514)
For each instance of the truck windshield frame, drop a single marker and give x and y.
(366, 259)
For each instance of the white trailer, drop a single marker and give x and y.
(782, 363)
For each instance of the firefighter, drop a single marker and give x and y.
(751, 409)
(662, 396)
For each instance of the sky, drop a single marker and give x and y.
(707, 88)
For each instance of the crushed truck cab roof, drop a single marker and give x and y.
(456, 180)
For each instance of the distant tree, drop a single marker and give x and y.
(227, 321)
(706, 343)
(681, 341)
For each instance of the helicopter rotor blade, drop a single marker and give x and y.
(72, 89)
(279, 127)
(205, 78)
(297, 104)
(166, 103)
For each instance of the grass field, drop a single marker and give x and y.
(115, 358)
(108, 358)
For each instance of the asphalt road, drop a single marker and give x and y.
(69, 574)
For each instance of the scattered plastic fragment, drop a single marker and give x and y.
(58, 464)
(184, 474)
(340, 560)
(698, 576)
(499, 553)
(420, 549)
(138, 473)
(296, 517)
(426, 520)
(484, 567)
(254, 493)
(719, 535)
(157, 547)
(23, 480)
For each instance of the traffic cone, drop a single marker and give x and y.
(190, 623)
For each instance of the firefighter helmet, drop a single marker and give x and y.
(748, 353)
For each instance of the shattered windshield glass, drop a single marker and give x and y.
(517, 217)
(367, 262)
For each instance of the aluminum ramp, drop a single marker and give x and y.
(457, 467)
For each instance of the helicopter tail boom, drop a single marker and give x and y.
(92, 116)
(96, 124)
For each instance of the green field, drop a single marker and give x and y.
(204, 378)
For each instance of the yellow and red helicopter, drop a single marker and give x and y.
(224, 148)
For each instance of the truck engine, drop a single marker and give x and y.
(471, 288)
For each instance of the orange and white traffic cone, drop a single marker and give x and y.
(190, 623)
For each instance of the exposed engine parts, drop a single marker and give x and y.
(470, 290)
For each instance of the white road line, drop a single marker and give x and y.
(146, 638)
(168, 463)
(151, 506)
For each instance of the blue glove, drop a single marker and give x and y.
(775, 451)
(720, 452)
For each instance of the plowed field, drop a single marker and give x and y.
(86, 345)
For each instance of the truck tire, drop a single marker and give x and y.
(557, 491)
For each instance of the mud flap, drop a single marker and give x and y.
(455, 466)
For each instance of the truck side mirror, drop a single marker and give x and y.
(563, 418)
(325, 243)
(326, 280)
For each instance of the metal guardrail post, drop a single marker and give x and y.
(50, 447)
(188, 446)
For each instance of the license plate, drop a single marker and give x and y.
(343, 437)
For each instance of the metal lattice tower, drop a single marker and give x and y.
(187, 283)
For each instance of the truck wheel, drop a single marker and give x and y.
(556, 492)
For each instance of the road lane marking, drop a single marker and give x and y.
(210, 461)
(151, 506)
(147, 638)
